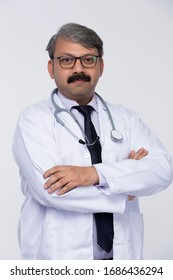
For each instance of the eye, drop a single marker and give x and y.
(89, 60)
(66, 59)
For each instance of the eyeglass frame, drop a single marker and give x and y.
(77, 57)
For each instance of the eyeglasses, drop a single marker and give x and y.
(87, 61)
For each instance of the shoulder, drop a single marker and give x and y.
(38, 114)
(118, 110)
(129, 116)
(41, 108)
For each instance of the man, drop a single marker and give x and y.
(81, 184)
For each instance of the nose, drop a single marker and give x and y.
(78, 66)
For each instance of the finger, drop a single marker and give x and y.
(135, 155)
(52, 171)
(65, 189)
(130, 197)
(132, 154)
(58, 185)
(54, 179)
(138, 153)
(141, 154)
(144, 154)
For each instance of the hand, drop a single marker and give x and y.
(65, 178)
(137, 155)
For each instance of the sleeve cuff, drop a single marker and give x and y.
(102, 179)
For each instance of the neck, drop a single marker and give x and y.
(69, 102)
(81, 99)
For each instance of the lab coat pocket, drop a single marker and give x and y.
(137, 233)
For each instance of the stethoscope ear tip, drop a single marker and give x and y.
(81, 142)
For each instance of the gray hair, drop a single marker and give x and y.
(79, 34)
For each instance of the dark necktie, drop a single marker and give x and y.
(104, 221)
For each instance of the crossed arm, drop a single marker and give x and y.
(64, 178)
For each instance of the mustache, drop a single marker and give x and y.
(77, 77)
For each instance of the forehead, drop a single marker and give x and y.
(65, 46)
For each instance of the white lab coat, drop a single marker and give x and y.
(61, 227)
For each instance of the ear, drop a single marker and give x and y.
(50, 69)
(101, 66)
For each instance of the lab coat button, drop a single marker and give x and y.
(116, 237)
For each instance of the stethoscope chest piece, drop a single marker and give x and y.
(116, 135)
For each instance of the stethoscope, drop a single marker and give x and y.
(115, 134)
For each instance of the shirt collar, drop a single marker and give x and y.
(69, 103)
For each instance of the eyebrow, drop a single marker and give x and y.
(69, 54)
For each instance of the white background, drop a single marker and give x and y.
(138, 44)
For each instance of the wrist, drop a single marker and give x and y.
(95, 176)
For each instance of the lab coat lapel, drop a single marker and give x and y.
(103, 120)
(67, 118)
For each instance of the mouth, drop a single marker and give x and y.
(78, 78)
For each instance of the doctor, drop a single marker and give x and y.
(63, 186)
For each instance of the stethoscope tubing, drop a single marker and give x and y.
(115, 135)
